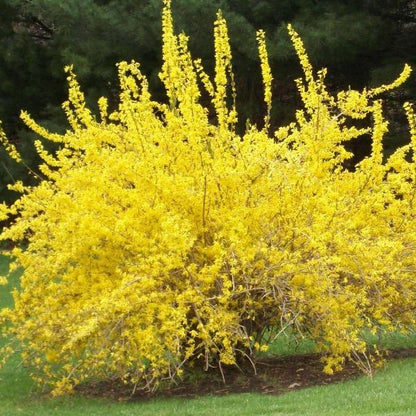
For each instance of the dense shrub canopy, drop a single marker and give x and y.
(159, 239)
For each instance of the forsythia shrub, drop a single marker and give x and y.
(159, 239)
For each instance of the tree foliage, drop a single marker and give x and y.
(161, 239)
(92, 35)
(360, 42)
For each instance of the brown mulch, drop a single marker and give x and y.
(274, 376)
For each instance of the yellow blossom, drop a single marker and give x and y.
(160, 239)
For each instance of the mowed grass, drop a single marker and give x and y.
(391, 392)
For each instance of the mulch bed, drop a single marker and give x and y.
(274, 376)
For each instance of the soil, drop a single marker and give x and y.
(273, 376)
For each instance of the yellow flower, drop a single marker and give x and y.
(160, 237)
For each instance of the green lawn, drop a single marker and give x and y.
(392, 392)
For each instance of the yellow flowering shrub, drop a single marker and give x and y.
(159, 239)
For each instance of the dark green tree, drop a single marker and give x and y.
(360, 41)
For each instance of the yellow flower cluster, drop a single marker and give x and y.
(266, 73)
(10, 147)
(159, 240)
